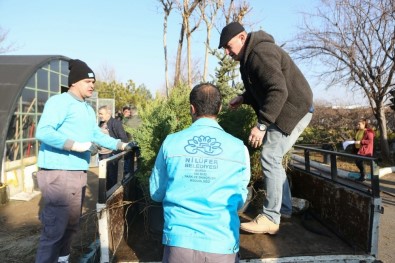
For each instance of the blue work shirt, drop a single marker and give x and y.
(67, 119)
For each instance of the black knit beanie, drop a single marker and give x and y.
(228, 32)
(79, 70)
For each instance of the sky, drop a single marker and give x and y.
(126, 36)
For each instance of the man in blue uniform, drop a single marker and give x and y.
(66, 131)
(201, 176)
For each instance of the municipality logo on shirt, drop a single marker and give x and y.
(204, 144)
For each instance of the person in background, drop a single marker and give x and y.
(119, 115)
(66, 131)
(201, 175)
(364, 139)
(283, 102)
(130, 117)
(125, 114)
(114, 128)
(110, 126)
(133, 121)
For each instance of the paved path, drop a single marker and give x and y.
(387, 222)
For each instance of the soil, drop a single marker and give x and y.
(20, 226)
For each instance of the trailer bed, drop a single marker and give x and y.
(298, 236)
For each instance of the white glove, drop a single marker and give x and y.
(81, 146)
(124, 146)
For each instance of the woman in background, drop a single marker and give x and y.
(363, 144)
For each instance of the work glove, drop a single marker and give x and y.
(94, 149)
(81, 146)
(129, 146)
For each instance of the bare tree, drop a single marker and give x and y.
(209, 10)
(107, 74)
(355, 42)
(232, 11)
(167, 7)
(235, 11)
(189, 29)
(186, 30)
(4, 48)
(177, 72)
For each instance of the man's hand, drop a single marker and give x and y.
(81, 146)
(236, 102)
(256, 137)
(129, 146)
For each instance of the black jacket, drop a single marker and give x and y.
(116, 130)
(275, 87)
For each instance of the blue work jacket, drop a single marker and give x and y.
(201, 176)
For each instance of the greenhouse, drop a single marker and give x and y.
(26, 83)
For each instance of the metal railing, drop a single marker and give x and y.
(373, 191)
(123, 173)
(372, 163)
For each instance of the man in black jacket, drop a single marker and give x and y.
(114, 128)
(283, 102)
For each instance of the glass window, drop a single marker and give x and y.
(42, 79)
(65, 81)
(12, 128)
(64, 67)
(29, 148)
(42, 97)
(54, 65)
(32, 82)
(46, 66)
(54, 82)
(28, 100)
(28, 126)
(14, 131)
(13, 151)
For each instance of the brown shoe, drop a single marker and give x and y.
(260, 225)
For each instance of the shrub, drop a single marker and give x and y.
(160, 118)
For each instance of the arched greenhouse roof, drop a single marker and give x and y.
(15, 72)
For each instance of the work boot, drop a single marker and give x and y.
(260, 225)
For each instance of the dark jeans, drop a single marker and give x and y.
(359, 164)
(63, 193)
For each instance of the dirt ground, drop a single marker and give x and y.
(20, 227)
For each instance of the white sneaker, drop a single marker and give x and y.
(64, 259)
(260, 225)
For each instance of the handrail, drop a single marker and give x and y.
(103, 193)
(375, 186)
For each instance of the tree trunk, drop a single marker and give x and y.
(189, 60)
(165, 50)
(177, 74)
(167, 7)
(206, 53)
(382, 123)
